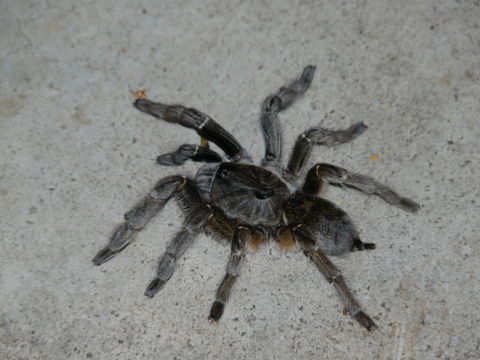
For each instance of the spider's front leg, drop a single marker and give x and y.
(185, 152)
(333, 275)
(319, 136)
(272, 105)
(203, 124)
(337, 176)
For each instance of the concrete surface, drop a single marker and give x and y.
(75, 156)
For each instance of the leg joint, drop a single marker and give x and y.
(337, 277)
(305, 136)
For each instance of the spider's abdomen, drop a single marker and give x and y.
(333, 229)
(249, 193)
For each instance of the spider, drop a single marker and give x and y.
(247, 205)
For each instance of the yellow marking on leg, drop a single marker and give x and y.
(204, 142)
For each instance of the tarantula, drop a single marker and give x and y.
(247, 205)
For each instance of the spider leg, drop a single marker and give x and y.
(189, 151)
(197, 212)
(337, 176)
(272, 105)
(319, 136)
(139, 216)
(239, 240)
(175, 249)
(333, 275)
(203, 124)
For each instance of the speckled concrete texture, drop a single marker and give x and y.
(75, 156)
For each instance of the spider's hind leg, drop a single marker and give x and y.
(333, 275)
(139, 216)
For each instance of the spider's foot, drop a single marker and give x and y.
(103, 256)
(369, 246)
(155, 286)
(168, 160)
(155, 109)
(408, 205)
(216, 312)
(307, 74)
(365, 321)
(359, 245)
(358, 129)
(142, 104)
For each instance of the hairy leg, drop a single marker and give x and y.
(175, 249)
(334, 175)
(139, 216)
(272, 106)
(319, 136)
(237, 255)
(189, 151)
(197, 213)
(333, 275)
(203, 124)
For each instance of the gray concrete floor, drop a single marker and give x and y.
(75, 156)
